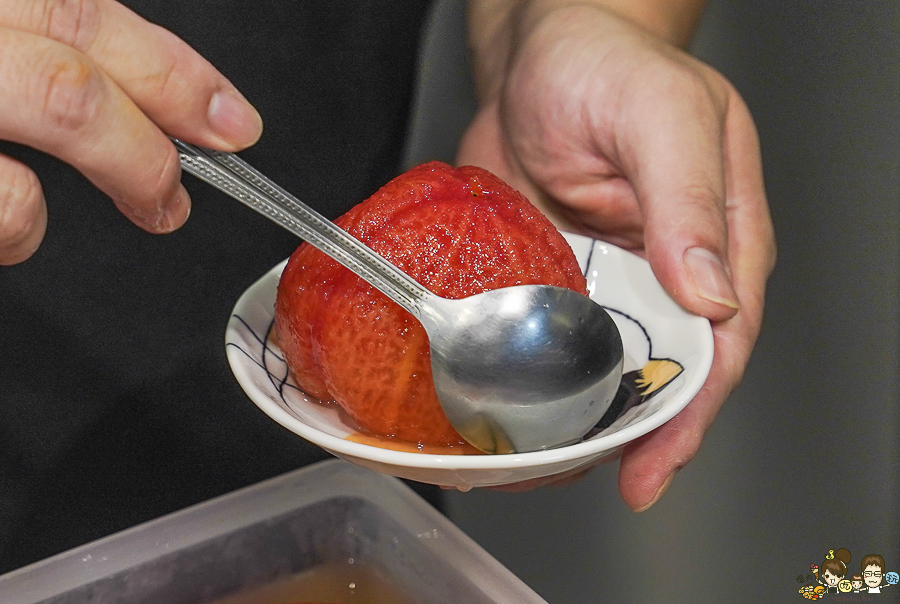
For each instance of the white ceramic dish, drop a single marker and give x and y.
(652, 326)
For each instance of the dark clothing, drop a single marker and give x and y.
(117, 402)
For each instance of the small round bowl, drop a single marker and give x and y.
(653, 327)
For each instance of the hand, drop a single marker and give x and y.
(95, 85)
(616, 134)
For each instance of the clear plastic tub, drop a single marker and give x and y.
(330, 512)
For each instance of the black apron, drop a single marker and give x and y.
(117, 404)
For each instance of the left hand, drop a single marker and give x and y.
(616, 134)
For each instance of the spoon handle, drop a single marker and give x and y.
(235, 177)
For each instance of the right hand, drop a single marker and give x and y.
(95, 85)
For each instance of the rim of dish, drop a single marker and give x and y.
(594, 446)
(591, 447)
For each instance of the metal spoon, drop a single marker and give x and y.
(516, 369)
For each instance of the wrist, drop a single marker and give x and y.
(496, 26)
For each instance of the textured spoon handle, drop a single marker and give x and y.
(235, 177)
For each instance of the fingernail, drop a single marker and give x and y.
(659, 493)
(233, 119)
(711, 281)
(175, 213)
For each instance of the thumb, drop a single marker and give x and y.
(677, 168)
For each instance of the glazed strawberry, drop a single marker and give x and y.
(458, 232)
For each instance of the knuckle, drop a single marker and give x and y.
(75, 23)
(167, 75)
(701, 210)
(705, 192)
(164, 80)
(696, 85)
(71, 92)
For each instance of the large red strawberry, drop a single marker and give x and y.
(458, 232)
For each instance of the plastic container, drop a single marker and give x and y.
(330, 512)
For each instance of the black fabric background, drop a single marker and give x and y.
(116, 401)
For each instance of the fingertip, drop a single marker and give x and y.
(710, 283)
(162, 218)
(233, 119)
(642, 481)
(650, 463)
(22, 248)
(639, 507)
(175, 212)
(686, 247)
(23, 212)
(697, 279)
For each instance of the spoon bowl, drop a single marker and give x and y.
(516, 369)
(523, 368)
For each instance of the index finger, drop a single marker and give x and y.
(173, 85)
(55, 99)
